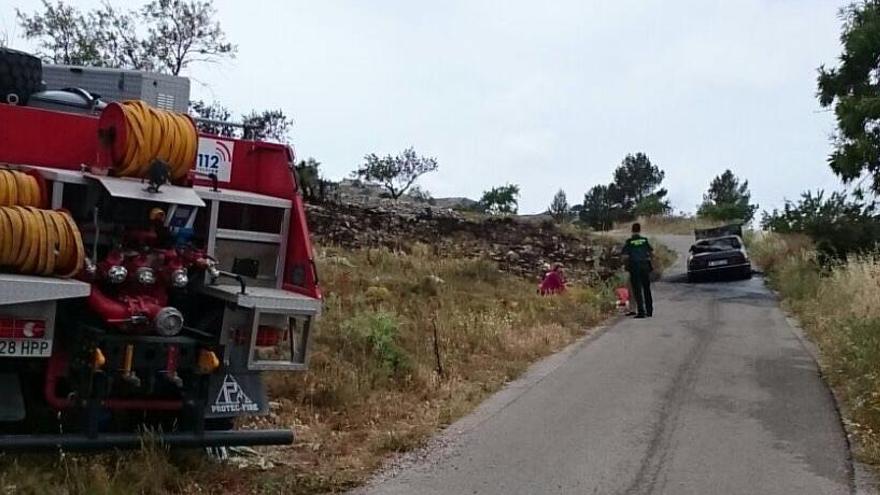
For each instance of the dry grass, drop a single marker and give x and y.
(770, 251)
(839, 307)
(663, 256)
(151, 470)
(374, 387)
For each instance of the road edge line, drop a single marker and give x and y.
(865, 479)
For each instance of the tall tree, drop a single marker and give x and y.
(853, 90)
(652, 205)
(163, 35)
(182, 32)
(116, 39)
(212, 111)
(635, 179)
(501, 200)
(310, 182)
(598, 208)
(635, 191)
(838, 224)
(559, 208)
(64, 34)
(395, 173)
(268, 125)
(728, 199)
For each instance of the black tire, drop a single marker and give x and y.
(21, 75)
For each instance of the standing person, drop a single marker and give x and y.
(638, 254)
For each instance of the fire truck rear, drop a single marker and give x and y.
(149, 276)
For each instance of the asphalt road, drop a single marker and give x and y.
(714, 395)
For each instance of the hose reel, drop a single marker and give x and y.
(137, 135)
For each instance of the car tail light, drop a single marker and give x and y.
(23, 328)
(268, 336)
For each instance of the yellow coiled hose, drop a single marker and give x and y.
(18, 189)
(40, 242)
(157, 134)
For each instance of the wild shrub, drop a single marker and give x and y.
(799, 276)
(839, 307)
(479, 270)
(770, 250)
(839, 225)
(377, 334)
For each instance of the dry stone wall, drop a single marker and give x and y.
(519, 247)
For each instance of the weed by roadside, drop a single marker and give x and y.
(152, 470)
(663, 257)
(839, 307)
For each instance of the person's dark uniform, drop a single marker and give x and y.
(638, 263)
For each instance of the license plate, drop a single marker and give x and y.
(718, 263)
(25, 347)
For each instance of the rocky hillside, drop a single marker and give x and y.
(517, 246)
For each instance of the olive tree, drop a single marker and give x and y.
(501, 200)
(396, 174)
(162, 36)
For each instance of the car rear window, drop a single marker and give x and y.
(721, 244)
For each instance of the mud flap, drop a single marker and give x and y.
(235, 391)
(12, 404)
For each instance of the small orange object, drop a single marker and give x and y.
(208, 361)
(98, 359)
(622, 298)
(157, 215)
(127, 359)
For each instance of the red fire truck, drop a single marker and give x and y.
(150, 275)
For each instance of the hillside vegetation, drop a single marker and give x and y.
(839, 307)
(376, 386)
(413, 337)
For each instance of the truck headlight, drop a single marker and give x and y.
(90, 267)
(212, 269)
(169, 322)
(179, 278)
(117, 274)
(146, 275)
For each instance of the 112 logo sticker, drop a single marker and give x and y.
(215, 157)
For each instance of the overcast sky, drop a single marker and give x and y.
(541, 94)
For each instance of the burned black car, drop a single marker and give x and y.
(719, 252)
